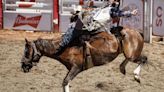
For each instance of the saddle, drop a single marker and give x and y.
(88, 62)
(86, 37)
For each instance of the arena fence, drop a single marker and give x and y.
(41, 15)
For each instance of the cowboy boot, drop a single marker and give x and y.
(118, 32)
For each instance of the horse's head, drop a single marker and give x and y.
(31, 56)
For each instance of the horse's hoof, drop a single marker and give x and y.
(123, 71)
(137, 78)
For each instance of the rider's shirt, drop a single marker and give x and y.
(103, 16)
(115, 12)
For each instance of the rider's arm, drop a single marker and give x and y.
(124, 14)
(119, 13)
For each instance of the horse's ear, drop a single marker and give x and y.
(26, 40)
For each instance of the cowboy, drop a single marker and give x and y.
(72, 32)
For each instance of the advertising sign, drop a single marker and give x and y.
(158, 18)
(43, 1)
(27, 21)
(134, 21)
(31, 15)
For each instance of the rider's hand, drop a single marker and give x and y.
(134, 12)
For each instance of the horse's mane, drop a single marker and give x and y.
(47, 45)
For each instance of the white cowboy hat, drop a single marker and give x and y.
(78, 8)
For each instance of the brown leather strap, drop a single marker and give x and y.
(36, 52)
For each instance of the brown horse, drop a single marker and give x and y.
(103, 48)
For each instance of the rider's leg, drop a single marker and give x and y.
(66, 39)
(70, 35)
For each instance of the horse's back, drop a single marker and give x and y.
(105, 42)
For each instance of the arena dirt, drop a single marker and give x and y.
(48, 75)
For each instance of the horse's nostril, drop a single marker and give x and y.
(25, 69)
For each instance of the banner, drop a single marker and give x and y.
(31, 15)
(43, 1)
(134, 21)
(27, 21)
(158, 18)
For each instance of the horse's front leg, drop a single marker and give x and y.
(70, 75)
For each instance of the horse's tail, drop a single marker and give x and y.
(144, 59)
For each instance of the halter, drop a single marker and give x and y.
(37, 54)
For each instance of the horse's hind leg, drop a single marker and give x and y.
(137, 73)
(141, 61)
(71, 74)
(123, 65)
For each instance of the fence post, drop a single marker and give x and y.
(148, 24)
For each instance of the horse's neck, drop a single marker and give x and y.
(47, 47)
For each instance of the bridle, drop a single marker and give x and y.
(28, 63)
(36, 53)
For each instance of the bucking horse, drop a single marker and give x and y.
(101, 48)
